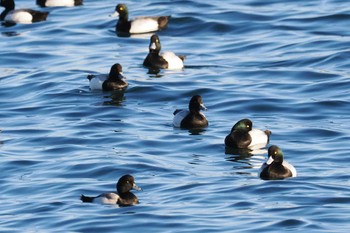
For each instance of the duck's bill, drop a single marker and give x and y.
(269, 160)
(121, 76)
(153, 46)
(115, 14)
(203, 107)
(136, 187)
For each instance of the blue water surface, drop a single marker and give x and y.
(283, 64)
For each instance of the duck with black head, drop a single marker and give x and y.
(114, 81)
(54, 3)
(123, 196)
(138, 25)
(244, 136)
(276, 167)
(191, 118)
(167, 60)
(23, 16)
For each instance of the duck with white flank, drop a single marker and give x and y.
(243, 136)
(114, 81)
(140, 24)
(167, 60)
(192, 118)
(276, 167)
(23, 16)
(123, 196)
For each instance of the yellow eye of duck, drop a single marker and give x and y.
(121, 8)
(275, 152)
(247, 126)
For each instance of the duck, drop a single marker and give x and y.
(23, 16)
(244, 136)
(115, 80)
(123, 196)
(145, 24)
(276, 167)
(191, 118)
(53, 3)
(167, 60)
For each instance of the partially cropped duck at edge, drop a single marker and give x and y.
(167, 60)
(192, 118)
(23, 16)
(138, 25)
(244, 136)
(53, 3)
(114, 81)
(123, 196)
(276, 167)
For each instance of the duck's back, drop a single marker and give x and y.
(96, 81)
(259, 138)
(143, 25)
(179, 115)
(174, 62)
(19, 16)
(53, 3)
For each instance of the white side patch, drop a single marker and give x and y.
(290, 167)
(174, 62)
(97, 81)
(50, 3)
(143, 25)
(179, 117)
(107, 198)
(259, 139)
(18, 16)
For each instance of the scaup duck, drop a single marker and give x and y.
(115, 80)
(123, 196)
(140, 24)
(167, 60)
(52, 3)
(243, 135)
(24, 16)
(191, 118)
(276, 167)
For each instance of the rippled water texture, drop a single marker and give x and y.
(283, 64)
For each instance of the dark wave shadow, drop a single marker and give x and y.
(117, 98)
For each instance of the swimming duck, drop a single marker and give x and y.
(191, 118)
(114, 81)
(24, 16)
(167, 60)
(52, 3)
(243, 135)
(123, 196)
(140, 24)
(276, 167)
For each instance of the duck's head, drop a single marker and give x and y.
(8, 4)
(121, 10)
(196, 104)
(276, 154)
(244, 125)
(116, 72)
(126, 183)
(154, 44)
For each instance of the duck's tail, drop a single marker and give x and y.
(176, 111)
(86, 199)
(163, 21)
(90, 76)
(182, 57)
